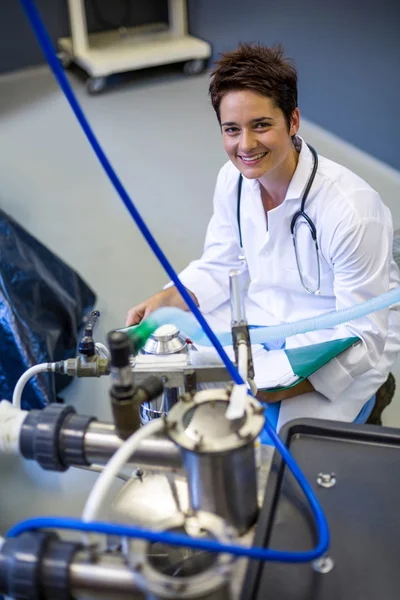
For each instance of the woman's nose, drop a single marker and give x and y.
(247, 141)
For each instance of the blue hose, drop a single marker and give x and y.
(47, 47)
(173, 539)
(322, 526)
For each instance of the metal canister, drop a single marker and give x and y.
(166, 340)
(218, 455)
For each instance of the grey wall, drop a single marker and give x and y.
(347, 53)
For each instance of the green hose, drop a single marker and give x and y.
(139, 334)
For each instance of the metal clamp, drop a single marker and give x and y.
(239, 325)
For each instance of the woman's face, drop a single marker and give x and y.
(255, 133)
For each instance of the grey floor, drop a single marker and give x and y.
(161, 135)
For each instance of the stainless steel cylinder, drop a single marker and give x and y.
(166, 340)
(108, 577)
(225, 484)
(219, 455)
(101, 442)
(170, 572)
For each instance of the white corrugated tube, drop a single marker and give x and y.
(261, 335)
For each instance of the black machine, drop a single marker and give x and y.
(355, 472)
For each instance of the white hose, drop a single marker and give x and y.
(102, 350)
(42, 368)
(113, 467)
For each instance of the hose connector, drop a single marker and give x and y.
(81, 366)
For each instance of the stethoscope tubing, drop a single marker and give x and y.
(299, 214)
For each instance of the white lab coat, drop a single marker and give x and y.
(354, 230)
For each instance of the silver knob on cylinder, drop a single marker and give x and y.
(165, 340)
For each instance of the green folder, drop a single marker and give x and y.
(308, 359)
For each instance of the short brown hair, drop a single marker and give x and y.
(258, 68)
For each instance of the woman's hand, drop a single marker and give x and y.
(168, 297)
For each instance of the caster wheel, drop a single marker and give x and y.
(95, 85)
(194, 67)
(65, 59)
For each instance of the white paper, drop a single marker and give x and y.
(272, 368)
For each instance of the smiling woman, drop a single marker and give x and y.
(260, 146)
(345, 258)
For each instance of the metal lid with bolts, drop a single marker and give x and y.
(173, 572)
(199, 424)
(165, 340)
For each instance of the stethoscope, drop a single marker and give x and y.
(300, 214)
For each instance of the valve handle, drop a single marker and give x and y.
(87, 345)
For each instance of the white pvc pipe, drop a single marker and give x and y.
(11, 420)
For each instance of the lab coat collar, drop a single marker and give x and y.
(300, 177)
(302, 173)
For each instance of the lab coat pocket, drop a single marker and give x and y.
(309, 273)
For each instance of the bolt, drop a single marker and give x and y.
(187, 397)
(139, 474)
(174, 586)
(199, 443)
(326, 480)
(171, 425)
(323, 565)
(230, 532)
(245, 437)
(138, 566)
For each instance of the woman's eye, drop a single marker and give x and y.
(231, 130)
(263, 125)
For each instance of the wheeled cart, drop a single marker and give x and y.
(105, 53)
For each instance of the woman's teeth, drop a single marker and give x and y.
(253, 158)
